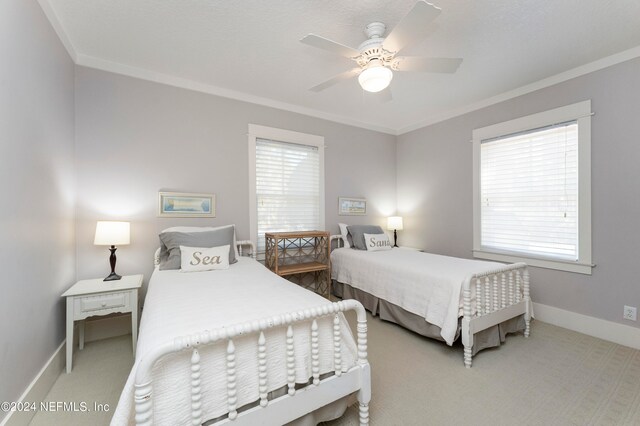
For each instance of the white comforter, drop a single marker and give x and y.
(180, 303)
(428, 285)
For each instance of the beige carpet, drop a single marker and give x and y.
(556, 377)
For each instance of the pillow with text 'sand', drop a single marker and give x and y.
(197, 259)
(357, 234)
(377, 242)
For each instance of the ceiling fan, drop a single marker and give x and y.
(376, 57)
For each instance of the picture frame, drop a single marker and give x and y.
(350, 206)
(186, 204)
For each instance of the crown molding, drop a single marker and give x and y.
(144, 74)
(53, 18)
(605, 62)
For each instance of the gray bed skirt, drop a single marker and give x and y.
(489, 338)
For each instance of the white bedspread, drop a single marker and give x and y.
(428, 285)
(179, 303)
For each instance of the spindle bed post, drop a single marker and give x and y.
(196, 397)
(262, 370)
(291, 363)
(337, 351)
(499, 297)
(527, 300)
(315, 353)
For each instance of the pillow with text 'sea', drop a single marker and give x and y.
(377, 242)
(197, 259)
(170, 242)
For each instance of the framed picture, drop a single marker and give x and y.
(352, 206)
(181, 204)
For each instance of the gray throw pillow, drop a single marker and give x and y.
(170, 259)
(357, 234)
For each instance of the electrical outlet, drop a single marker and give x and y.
(630, 313)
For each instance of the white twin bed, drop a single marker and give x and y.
(429, 293)
(243, 346)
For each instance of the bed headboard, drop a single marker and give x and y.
(240, 244)
(339, 241)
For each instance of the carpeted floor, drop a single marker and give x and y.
(556, 377)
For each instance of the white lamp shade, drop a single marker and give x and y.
(375, 78)
(394, 223)
(112, 233)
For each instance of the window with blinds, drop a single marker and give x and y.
(529, 193)
(287, 187)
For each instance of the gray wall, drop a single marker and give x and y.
(136, 137)
(37, 250)
(435, 188)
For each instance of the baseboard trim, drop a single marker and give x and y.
(596, 327)
(38, 388)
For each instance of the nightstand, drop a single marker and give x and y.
(88, 298)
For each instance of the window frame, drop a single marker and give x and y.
(288, 136)
(580, 112)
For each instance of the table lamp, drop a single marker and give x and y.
(394, 223)
(112, 233)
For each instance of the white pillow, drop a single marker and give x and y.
(377, 242)
(188, 229)
(196, 259)
(345, 233)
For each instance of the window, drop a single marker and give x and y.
(286, 180)
(532, 190)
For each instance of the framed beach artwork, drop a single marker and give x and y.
(352, 206)
(183, 204)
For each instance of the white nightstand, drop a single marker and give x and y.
(88, 298)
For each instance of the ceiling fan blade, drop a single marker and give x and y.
(412, 28)
(417, 63)
(335, 80)
(329, 46)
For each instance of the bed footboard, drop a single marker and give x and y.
(286, 408)
(500, 294)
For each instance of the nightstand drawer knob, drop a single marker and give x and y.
(104, 304)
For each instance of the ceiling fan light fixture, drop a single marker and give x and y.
(375, 78)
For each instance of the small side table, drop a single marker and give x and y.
(298, 254)
(88, 298)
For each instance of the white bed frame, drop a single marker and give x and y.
(293, 405)
(500, 294)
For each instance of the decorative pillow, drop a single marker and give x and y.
(196, 259)
(357, 234)
(377, 242)
(173, 240)
(345, 235)
(164, 251)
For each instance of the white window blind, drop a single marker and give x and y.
(287, 187)
(529, 193)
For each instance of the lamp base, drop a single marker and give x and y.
(112, 277)
(395, 238)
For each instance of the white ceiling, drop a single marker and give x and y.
(250, 49)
